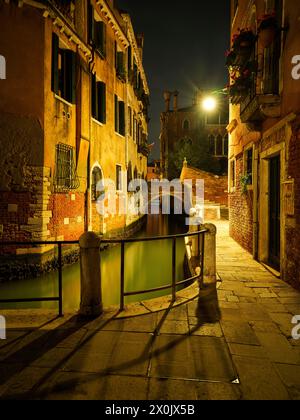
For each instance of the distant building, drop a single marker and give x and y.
(73, 111)
(154, 170)
(190, 127)
(264, 153)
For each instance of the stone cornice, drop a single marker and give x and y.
(132, 39)
(113, 22)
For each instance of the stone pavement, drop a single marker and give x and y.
(231, 343)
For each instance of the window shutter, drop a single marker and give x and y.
(116, 55)
(91, 22)
(129, 58)
(100, 37)
(122, 118)
(116, 114)
(120, 60)
(55, 72)
(94, 97)
(102, 102)
(73, 77)
(70, 60)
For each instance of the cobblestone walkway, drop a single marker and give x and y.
(234, 343)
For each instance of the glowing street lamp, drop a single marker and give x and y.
(209, 104)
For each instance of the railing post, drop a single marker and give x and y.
(193, 229)
(210, 254)
(201, 256)
(174, 270)
(90, 274)
(122, 286)
(60, 284)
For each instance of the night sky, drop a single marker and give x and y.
(185, 44)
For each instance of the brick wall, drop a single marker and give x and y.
(67, 216)
(215, 187)
(240, 212)
(14, 212)
(292, 232)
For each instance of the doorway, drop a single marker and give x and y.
(274, 212)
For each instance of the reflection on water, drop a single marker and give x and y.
(147, 265)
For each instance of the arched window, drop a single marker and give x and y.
(212, 145)
(219, 145)
(135, 173)
(186, 125)
(96, 178)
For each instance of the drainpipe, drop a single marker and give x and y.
(88, 207)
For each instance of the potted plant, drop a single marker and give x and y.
(268, 27)
(245, 182)
(240, 87)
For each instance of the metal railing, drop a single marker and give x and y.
(172, 286)
(123, 294)
(58, 298)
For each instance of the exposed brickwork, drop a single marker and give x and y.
(292, 230)
(215, 187)
(240, 212)
(67, 220)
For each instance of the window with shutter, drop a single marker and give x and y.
(63, 82)
(122, 118)
(116, 114)
(55, 72)
(98, 100)
(130, 120)
(100, 37)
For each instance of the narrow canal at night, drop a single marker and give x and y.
(147, 265)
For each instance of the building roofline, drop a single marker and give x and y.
(132, 38)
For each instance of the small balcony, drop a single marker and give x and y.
(263, 100)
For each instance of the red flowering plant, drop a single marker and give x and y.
(241, 83)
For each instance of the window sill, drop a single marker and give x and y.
(120, 135)
(64, 101)
(98, 122)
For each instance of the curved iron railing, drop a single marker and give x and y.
(172, 286)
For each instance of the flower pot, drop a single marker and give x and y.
(267, 36)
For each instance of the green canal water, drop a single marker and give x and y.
(147, 265)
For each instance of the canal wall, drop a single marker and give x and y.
(20, 267)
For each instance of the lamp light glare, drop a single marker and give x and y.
(209, 104)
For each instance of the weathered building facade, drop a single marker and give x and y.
(193, 129)
(73, 111)
(264, 153)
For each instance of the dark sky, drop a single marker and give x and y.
(185, 44)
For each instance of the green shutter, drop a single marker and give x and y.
(55, 73)
(122, 118)
(116, 55)
(116, 114)
(94, 97)
(91, 22)
(100, 37)
(102, 102)
(129, 58)
(73, 77)
(70, 76)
